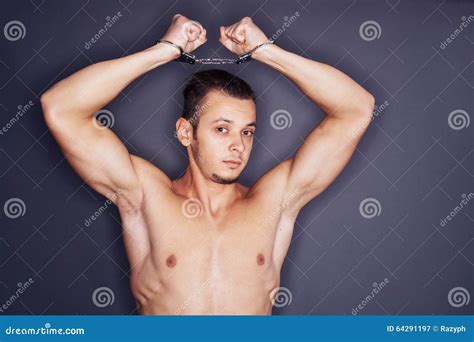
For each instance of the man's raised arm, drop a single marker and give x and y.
(94, 151)
(348, 108)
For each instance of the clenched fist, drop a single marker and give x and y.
(242, 36)
(188, 34)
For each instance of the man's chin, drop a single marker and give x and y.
(223, 180)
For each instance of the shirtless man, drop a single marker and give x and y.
(204, 244)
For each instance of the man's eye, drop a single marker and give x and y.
(221, 129)
(248, 133)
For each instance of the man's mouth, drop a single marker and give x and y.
(233, 163)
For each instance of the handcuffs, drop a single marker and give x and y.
(191, 59)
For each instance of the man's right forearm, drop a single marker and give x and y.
(90, 89)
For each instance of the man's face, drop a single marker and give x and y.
(226, 126)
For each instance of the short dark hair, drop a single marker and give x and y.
(202, 82)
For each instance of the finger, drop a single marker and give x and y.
(222, 31)
(239, 34)
(227, 30)
(198, 24)
(232, 35)
(202, 37)
(228, 44)
(224, 40)
(192, 31)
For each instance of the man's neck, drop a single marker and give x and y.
(215, 198)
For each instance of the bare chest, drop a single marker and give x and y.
(232, 257)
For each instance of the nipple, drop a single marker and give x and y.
(260, 259)
(171, 261)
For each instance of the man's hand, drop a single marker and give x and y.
(186, 33)
(242, 36)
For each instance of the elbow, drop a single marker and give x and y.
(46, 103)
(365, 114)
(49, 107)
(368, 105)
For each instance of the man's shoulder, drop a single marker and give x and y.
(273, 181)
(271, 189)
(148, 173)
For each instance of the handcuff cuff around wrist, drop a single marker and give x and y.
(185, 57)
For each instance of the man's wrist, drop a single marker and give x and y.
(265, 53)
(164, 53)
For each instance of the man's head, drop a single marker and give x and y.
(218, 123)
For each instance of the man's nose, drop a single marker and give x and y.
(237, 144)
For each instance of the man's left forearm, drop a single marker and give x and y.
(333, 91)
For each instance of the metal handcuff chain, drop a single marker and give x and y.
(191, 59)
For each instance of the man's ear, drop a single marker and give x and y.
(184, 131)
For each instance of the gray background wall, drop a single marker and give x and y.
(414, 164)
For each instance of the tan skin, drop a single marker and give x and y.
(196, 245)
